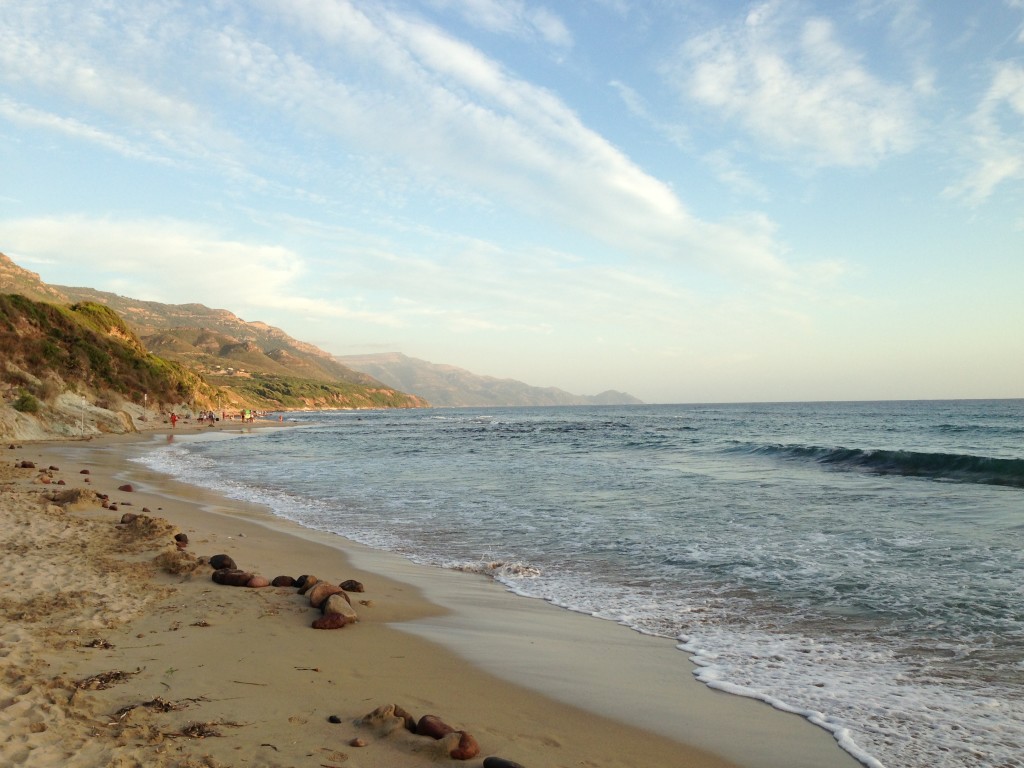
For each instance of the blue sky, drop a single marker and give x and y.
(692, 201)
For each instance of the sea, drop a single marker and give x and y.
(859, 563)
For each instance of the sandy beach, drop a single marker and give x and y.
(118, 649)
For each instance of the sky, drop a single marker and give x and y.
(686, 200)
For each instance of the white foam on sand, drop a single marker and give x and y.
(605, 668)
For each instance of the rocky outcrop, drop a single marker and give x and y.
(70, 416)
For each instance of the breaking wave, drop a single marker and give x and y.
(954, 467)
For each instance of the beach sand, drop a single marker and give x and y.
(108, 659)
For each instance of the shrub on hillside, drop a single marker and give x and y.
(26, 403)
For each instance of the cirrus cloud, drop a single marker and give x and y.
(796, 89)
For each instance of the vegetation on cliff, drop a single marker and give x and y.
(272, 393)
(48, 348)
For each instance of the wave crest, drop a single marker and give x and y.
(956, 467)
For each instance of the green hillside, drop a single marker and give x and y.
(47, 348)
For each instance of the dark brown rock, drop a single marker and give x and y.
(466, 748)
(231, 577)
(129, 517)
(54, 469)
(83, 472)
(433, 726)
(500, 762)
(308, 584)
(351, 585)
(283, 581)
(410, 721)
(332, 621)
(300, 581)
(217, 562)
(127, 488)
(334, 719)
(27, 465)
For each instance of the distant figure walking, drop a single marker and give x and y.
(174, 420)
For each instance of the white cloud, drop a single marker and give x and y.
(996, 146)
(28, 116)
(513, 18)
(674, 133)
(441, 104)
(79, 57)
(162, 259)
(795, 87)
(362, 79)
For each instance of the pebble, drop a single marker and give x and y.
(357, 742)
(333, 719)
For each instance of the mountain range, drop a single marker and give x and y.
(265, 362)
(447, 385)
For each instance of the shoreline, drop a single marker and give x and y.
(433, 641)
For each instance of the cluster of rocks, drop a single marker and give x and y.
(47, 475)
(460, 745)
(331, 600)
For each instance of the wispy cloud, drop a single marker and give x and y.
(677, 134)
(446, 106)
(360, 79)
(996, 146)
(796, 89)
(29, 116)
(513, 18)
(376, 287)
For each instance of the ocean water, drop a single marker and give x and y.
(859, 563)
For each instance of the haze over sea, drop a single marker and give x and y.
(859, 563)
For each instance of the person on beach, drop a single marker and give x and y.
(174, 420)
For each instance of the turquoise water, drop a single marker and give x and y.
(859, 563)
